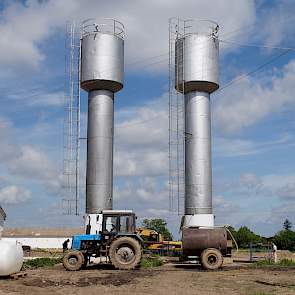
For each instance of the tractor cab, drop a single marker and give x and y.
(118, 223)
(111, 222)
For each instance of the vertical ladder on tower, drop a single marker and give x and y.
(176, 124)
(71, 132)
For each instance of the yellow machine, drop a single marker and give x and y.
(155, 242)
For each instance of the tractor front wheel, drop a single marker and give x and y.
(73, 260)
(125, 253)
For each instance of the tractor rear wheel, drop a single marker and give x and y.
(73, 260)
(125, 253)
(211, 259)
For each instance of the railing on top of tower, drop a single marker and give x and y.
(185, 27)
(104, 25)
(201, 26)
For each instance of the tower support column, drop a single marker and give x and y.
(99, 175)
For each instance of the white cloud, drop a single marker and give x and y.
(140, 163)
(276, 186)
(287, 191)
(25, 25)
(282, 186)
(141, 148)
(5, 126)
(141, 140)
(137, 123)
(6, 132)
(225, 210)
(33, 98)
(280, 213)
(40, 99)
(145, 189)
(251, 100)
(11, 195)
(251, 180)
(282, 16)
(234, 147)
(31, 163)
(34, 22)
(26, 162)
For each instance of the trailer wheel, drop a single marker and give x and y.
(73, 260)
(125, 253)
(211, 259)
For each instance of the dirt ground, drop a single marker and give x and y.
(167, 279)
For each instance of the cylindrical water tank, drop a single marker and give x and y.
(11, 258)
(196, 67)
(102, 56)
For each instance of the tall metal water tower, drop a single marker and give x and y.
(196, 55)
(102, 67)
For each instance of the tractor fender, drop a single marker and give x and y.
(134, 236)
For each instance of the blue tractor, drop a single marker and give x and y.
(110, 234)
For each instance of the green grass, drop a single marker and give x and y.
(41, 262)
(287, 262)
(147, 262)
(283, 263)
(264, 262)
(260, 293)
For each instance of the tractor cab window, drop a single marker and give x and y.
(119, 223)
(111, 224)
(124, 224)
(127, 224)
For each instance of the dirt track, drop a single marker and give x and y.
(168, 279)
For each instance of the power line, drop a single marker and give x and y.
(233, 81)
(260, 67)
(257, 45)
(288, 49)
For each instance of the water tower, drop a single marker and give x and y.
(102, 68)
(196, 77)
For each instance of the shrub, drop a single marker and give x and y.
(147, 262)
(41, 262)
(269, 262)
(285, 240)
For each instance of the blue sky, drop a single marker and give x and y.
(252, 119)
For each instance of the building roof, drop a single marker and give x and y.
(39, 232)
(2, 214)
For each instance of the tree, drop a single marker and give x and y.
(160, 226)
(287, 224)
(233, 232)
(245, 236)
(285, 240)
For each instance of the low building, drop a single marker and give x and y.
(40, 238)
(39, 242)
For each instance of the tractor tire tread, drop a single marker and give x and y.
(205, 255)
(80, 260)
(137, 253)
